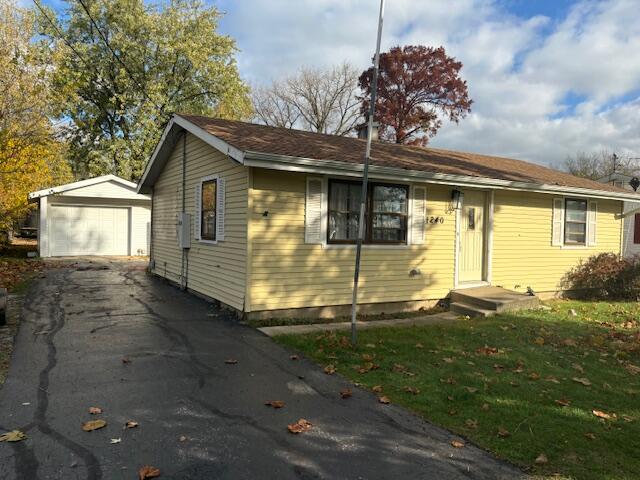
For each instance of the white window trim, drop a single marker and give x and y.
(208, 178)
(586, 245)
(368, 246)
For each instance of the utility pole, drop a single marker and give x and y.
(365, 177)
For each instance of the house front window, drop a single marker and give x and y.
(386, 221)
(208, 210)
(575, 222)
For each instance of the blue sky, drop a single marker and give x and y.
(548, 78)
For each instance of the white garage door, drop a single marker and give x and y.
(80, 230)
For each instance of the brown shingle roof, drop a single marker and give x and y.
(297, 143)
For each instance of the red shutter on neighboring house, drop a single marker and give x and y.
(636, 230)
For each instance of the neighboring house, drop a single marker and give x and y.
(273, 216)
(631, 245)
(100, 216)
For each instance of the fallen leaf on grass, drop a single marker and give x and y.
(115, 440)
(578, 367)
(503, 432)
(471, 389)
(231, 361)
(627, 418)
(590, 436)
(569, 342)
(300, 426)
(13, 436)
(367, 357)
(274, 403)
(93, 425)
(131, 424)
(376, 388)
(346, 393)
(485, 406)
(95, 410)
(487, 350)
(534, 376)
(541, 459)
(457, 444)
(411, 390)
(398, 367)
(471, 423)
(448, 360)
(563, 402)
(552, 379)
(601, 414)
(148, 472)
(584, 381)
(632, 369)
(330, 369)
(384, 400)
(419, 345)
(539, 341)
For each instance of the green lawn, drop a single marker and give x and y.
(519, 385)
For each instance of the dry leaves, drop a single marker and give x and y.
(95, 410)
(125, 360)
(293, 357)
(590, 436)
(473, 424)
(563, 402)
(384, 400)
(115, 440)
(503, 432)
(411, 390)
(487, 350)
(300, 426)
(578, 367)
(471, 389)
(601, 414)
(457, 444)
(148, 472)
(376, 388)
(539, 341)
(274, 403)
(485, 406)
(542, 459)
(13, 436)
(632, 369)
(584, 381)
(231, 361)
(182, 438)
(131, 424)
(330, 369)
(93, 425)
(346, 393)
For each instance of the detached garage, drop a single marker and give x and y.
(99, 216)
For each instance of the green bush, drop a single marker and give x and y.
(605, 276)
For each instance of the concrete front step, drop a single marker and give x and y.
(470, 310)
(486, 301)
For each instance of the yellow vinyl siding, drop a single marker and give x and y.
(522, 251)
(215, 270)
(288, 273)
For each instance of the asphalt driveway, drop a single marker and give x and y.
(199, 417)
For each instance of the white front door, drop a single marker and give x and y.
(471, 259)
(85, 230)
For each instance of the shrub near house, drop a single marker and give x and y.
(605, 276)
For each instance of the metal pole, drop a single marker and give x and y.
(365, 178)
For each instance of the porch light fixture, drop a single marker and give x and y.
(457, 197)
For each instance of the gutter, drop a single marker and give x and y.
(332, 167)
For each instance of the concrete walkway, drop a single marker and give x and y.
(436, 319)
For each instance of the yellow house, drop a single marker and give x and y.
(263, 220)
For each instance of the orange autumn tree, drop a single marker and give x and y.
(30, 155)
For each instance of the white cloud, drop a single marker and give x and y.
(520, 71)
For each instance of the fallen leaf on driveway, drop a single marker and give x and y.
(457, 444)
(329, 369)
(601, 414)
(293, 357)
(584, 381)
(148, 472)
(182, 438)
(95, 410)
(93, 425)
(231, 361)
(384, 399)
(300, 426)
(115, 440)
(542, 459)
(274, 403)
(346, 393)
(13, 436)
(131, 424)
(125, 360)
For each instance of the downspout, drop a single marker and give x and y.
(152, 262)
(185, 252)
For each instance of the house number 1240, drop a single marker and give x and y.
(434, 220)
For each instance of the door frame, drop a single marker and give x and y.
(488, 244)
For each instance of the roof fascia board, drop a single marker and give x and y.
(81, 184)
(330, 167)
(217, 143)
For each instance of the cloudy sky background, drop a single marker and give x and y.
(549, 77)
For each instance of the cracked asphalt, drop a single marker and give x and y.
(79, 323)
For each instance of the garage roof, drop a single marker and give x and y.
(125, 184)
